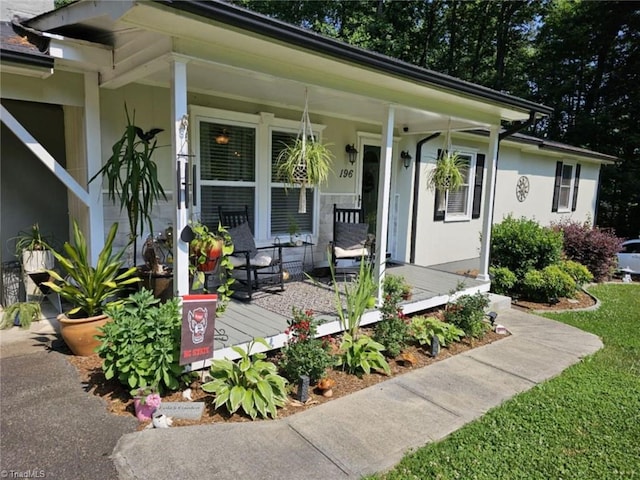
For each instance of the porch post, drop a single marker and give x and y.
(179, 148)
(94, 163)
(489, 194)
(384, 180)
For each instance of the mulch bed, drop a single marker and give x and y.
(119, 401)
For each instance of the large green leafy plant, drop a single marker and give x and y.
(424, 329)
(467, 312)
(250, 384)
(132, 176)
(86, 287)
(141, 346)
(361, 355)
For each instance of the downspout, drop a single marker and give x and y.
(416, 194)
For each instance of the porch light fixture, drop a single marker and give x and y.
(406, 158)
(222, 138)
(351, 152)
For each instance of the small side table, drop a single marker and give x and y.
(297, 273)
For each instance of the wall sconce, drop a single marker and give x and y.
(406, 158)
(222, 138)
(351, 152)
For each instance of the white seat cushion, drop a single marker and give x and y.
(260, 260)
(351, 253)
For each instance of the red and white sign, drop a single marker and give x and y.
(198, 327)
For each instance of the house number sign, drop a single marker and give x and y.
(522, 188)
(346, 173)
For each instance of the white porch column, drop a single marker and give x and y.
(489, 194)
(384, 180)
(94, 163)
(179, 148)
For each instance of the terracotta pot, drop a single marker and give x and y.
(79, 333)
(213, 255)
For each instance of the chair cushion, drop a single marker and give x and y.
(351, 236)
(242, 239)
(259, 260)
(351, 253)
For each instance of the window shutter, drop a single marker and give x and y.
(556, 187)
(438, 212)
(576, 183)
(477, 187)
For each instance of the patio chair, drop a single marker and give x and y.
(351, 239)
(259, 266)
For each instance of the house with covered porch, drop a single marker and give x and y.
(227, 86)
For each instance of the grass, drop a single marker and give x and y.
(583, 424)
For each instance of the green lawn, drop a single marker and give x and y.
(584, 424)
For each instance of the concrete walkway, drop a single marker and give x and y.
(370, 430)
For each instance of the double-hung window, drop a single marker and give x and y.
(565, 193)
(227, 169)
(465, 202)
(285, 198)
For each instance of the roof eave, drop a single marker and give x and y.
(291, 34)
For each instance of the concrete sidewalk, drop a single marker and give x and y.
(370, 430)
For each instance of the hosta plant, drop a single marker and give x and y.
(141, 346)
(424, 329)
(250, 384)
(361, 355)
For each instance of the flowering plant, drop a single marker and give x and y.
(147, 396)
(304, 354)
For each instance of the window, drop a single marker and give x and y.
(227, 169)
(285, 198)
(565, 193)
(465, 202)
(235, 158)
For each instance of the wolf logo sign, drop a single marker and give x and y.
(198, 328)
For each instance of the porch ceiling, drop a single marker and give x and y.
(228, 61)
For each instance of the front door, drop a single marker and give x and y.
(370, 174)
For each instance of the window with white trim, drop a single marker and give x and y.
(458, 202)
(237, 155)
(227, 169)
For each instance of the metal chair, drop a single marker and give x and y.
(351, 239)
(257, 262)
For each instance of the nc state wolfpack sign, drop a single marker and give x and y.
(198, 322)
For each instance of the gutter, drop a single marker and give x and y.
(27, 59)
(294, 35)
(416, 194)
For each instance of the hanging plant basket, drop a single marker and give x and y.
(450, 170)
(306, 161)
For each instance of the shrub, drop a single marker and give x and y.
(304, 354)
(141, 346)
(548, 284)
(577, 271)
(361, 355)
(252, 385)
(467, 313)
(423, 329)
(393, 334)
(522, 245)
(592, 247)
(503, 280)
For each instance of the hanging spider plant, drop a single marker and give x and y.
(132, 177)
(449, 173)
(306, 161)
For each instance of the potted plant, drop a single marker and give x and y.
(20, 313)
(449, 172)
(33, 250)
(145, 401)
(132, 177)
(210, 253)
(304, 162)
(294, 231)
(89, 289)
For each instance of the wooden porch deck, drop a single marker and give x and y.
(244, 321)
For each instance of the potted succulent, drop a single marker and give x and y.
(132, 176)
(305, 161)
(33, 249)
(89, 289)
